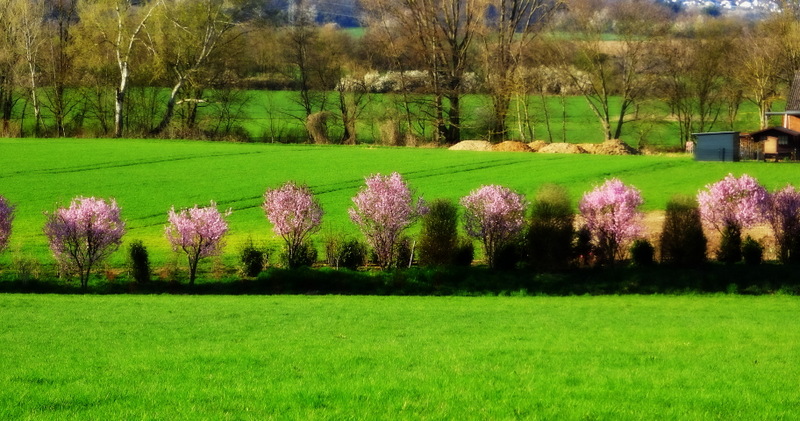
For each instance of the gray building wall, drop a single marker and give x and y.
(717, 146)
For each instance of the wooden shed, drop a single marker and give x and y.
(717, 146)
(779, 143)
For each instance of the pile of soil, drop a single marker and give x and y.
(511, 146)
(562, 148)
(472, 145)
(537, 145)
(609, 147)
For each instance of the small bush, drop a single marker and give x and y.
(439, 234)
(306, 255)
(347, 253)
(682, 240)
(730, 246)
(508, 255)
(26, 268)
(583, 250)
(642, 253)
(752, 251)
(404, 250)
(464, 252)
(139, 261)
(252, 260)
(550, 233)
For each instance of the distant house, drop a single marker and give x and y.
(778, 143)
(783, 142)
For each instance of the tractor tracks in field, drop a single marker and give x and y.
(123, 164)
(251, 202)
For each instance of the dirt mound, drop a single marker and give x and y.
(537, 145)
(609, 147)
(562, 148)
(511, 146)
(472, 145)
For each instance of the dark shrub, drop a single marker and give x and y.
(730, 246)
(752, 251)
(252, 259)
(306, 256)
(582, 250)
(464, 252)
(508, 255)
(550, 234)
(347, 253)
(139, 261)
(642, 253)
(439, 234)
(404, 250)
(682, 240)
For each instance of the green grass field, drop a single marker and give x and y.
(297, 357)
(148, 176)
(278, 116)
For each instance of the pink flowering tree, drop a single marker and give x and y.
(198, 232)
(383, 209)
(6, 217)
(612, 215)
(84, 234)
(730, 205)
(495, 215)
(783, 215)
(294, 215)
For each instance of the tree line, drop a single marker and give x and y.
(171, 68)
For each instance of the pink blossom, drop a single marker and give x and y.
(612, 216)
(84, 234)
(495, 215)
(198, 232)
(735, 202)
(783, 215)
(6, 217)
(294, 214)
(383, 210)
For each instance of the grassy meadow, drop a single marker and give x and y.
(335, 357)
(147, 177)
(277, 116)
(269, 114)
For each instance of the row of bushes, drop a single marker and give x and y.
(542, 240)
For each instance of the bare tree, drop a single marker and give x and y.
(509, 31)
(623, 68)
(121, 30)
(695, 72)
(189, 35)
(441, 34)
(759, 51)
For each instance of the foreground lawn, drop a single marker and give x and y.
(332, 357)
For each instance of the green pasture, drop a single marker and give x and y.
(147, 177)
(335, 357)
(277, 116)
(270, 113)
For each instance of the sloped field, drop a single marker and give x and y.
(147, 177)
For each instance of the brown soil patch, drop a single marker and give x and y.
(472, 145)
(562, 148)
(537, 145)
(609, 147)
(511, 146)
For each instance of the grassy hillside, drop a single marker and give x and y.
(147, 177)
(177, 357)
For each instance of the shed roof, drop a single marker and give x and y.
(774, 131)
